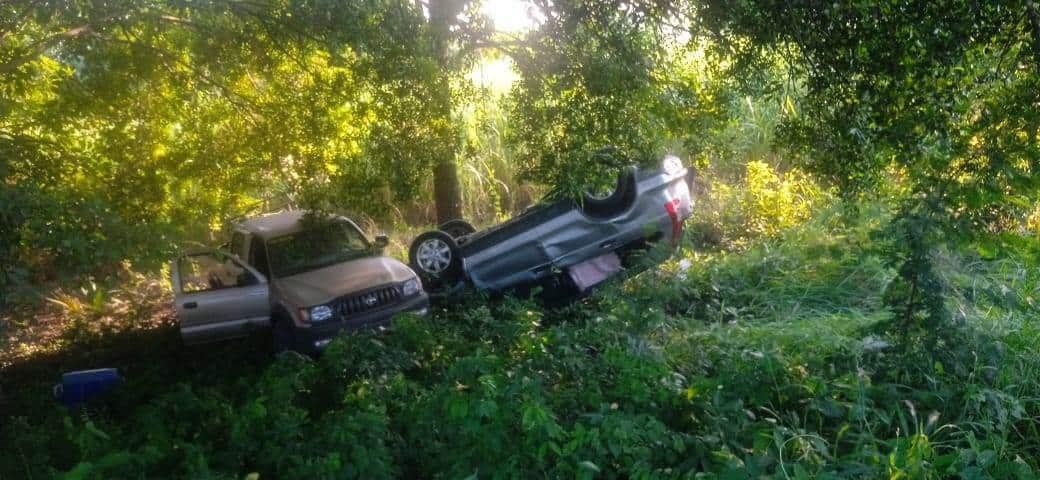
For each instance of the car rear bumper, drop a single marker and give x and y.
(317, 337)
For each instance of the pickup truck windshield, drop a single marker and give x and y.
(315, 247)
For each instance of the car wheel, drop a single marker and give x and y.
(609, 202)
(434, 255)
(282, 333)
(457, 228)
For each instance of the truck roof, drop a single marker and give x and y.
(273, 224)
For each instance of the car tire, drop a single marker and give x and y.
(282, 334)
(435, 257)
(457, 228)
(617, 202)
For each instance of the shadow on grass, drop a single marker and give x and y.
(150, 360)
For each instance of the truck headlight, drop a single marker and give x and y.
(321, 313)
(411, 287)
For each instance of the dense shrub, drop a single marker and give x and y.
(764, 202)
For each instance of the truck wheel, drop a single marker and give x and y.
(457, 228)
(282, 333)
(614, 201)
(434, 255)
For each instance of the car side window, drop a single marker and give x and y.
(203, 272)
(238, 244)
(258, 256)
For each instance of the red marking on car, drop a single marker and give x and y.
(672, 208)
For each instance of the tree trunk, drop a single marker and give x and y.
(447, 193)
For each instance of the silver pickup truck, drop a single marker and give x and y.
(305, 276)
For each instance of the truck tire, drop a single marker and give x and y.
(457, 228)
(620, 199)
(282, 334)
(434, 255)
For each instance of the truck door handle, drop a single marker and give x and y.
(191, 304)
(607, 244)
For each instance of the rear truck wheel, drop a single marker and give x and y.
(607, 202)
(434, 256)
(282, 333)
(457, 228)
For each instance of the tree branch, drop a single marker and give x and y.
(509, 47)
(40, 46)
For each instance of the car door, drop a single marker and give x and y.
(217, 296)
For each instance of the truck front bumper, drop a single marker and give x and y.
(318, 336)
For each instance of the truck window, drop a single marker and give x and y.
(258, 257)
(238, 244)
(202, 272)
(317, 246)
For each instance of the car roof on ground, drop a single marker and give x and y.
(274, 224)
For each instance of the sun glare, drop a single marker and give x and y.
(511, 16)
(494, 74)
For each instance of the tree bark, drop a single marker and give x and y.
(447, 193)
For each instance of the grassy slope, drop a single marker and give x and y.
(716, 365)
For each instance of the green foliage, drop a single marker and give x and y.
(913, 102)
(593, 79)
(860, 343)
(760, 363)
(821, 266)
(765, 203)
(488, 169)
(129, 127)
(937, 91)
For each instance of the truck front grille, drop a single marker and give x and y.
(371, 300)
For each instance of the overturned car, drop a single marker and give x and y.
(565, 246)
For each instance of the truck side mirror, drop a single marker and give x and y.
(382, 240)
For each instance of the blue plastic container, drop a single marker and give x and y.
(80, 386)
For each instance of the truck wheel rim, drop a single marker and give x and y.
(434, 255)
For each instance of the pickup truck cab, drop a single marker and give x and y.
(307, 277)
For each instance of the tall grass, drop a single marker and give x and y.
(487, 169)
